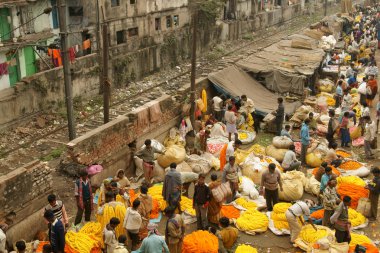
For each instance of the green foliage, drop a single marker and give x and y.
(55, 153)
(247, 37)
(210, 9)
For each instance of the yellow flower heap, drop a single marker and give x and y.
(245, 249)
(252, 220)
(243, 202)
(156, 193)
(88, 238)
(351, 180)
(109, 212)
(355, 217)
(309, 235)
(278, 215)
(359, 239)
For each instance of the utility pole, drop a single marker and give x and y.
(66, 68)
(98, 45)
(325, 8)
(106, 82)
(193, 67)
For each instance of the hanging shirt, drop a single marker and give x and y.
(86, 44)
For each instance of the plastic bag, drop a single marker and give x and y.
(247, 188)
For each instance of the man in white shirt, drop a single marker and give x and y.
(230, 118)
(217, 107)
(3, 237)
(290, 161)
(362, 90)
(295, 213)
(231, 147)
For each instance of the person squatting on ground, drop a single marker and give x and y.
(154, 242)
(227, 234)
(290, 161)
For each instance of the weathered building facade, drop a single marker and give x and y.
(24, 31)
(144, 37)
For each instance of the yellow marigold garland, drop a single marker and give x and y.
(252, 220)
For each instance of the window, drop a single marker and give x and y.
(133, 31)
(157, 24)
(75, 11)
(5, 27)
(132, 1)
(176, 20)
(115, 3)
(168, 21)
(120, 37)
(54, 13)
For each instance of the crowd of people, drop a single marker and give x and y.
(142, 235)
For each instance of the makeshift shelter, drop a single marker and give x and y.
(287, 65)
(235, 82)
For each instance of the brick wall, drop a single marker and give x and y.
(20, 188)
(102, 142)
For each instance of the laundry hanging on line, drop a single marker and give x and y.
(86, 44)
(3, 68)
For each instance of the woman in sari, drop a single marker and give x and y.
(214, 207)
(121, 179)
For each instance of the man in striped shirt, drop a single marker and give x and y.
(58, 208)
